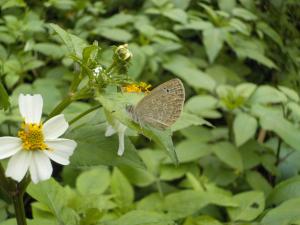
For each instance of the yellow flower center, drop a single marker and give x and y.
(137, 88)
(32, 136)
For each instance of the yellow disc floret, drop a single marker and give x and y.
(32, 136)
(136, 88)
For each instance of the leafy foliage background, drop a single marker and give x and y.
(239, 61)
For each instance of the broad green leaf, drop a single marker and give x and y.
(184, 203)
(152, 202)
(187, 119)
(137, 62)
(266, 94)
(271, 119)
(244, 14)
(93, 182)
(95, 149)
(227, 5)
(245, 89)
(251, 205)
(4, 99)
(121, 189)
(213, 42)
(269, 31)
(244, 127)
(141, 217)
(116, 103)
(171, 172)
(199, 103)
(117, 20)
(54, 197)
(114, 34)
(286, 190)
(49, 49)
(190, 150)
(177, 15)
(183, 68)
(258, 182)
(290, 93)
(137, 176)
(74, 44)
(285, 214)
(201, 220)
(229, 154)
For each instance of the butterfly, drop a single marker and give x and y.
(161, 107)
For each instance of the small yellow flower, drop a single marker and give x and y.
(137, 88)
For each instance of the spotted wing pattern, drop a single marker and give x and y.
(163, 106)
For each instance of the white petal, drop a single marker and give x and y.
(110, 131)
(31, 107)
(9, 146)
(40, 167)
(121, 134)
(55, 127)
(60, 150)
(18, 165)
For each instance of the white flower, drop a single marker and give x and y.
(119, 128)
(37, 143)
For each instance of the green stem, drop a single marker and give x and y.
(159, 188)
(18, 202)
(60, 107)
(84, 114)
(3, 182)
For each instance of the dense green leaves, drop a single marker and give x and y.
(235, 145)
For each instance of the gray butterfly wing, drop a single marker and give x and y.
(163, 106)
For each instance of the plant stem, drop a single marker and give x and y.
(60, 107)
(17, 198)
(84, 113)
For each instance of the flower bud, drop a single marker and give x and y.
(123, 52)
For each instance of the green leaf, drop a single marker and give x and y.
(114, 34)
(117, 20)
(285, 214)
(49, 49)
(95, 149)
(266, 94)
(286, 190)
(251, 205)
(177, 15)
(201, 220)
(74, 44)
(195, 151)
(213, 41)
(244, 14)
(269, 31)
(290, 93)
(54, 197)
(138, 61)
(93, 182)
(121, 189)
(192, 201)
(229, 154)
(116, 103)
(273, 120)
(258, 182)
(141, 217)
(137, 176)
(197, 104)
(4, 99)
(187, 120)
(183, 68)
(244, 127)
(227, 5)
